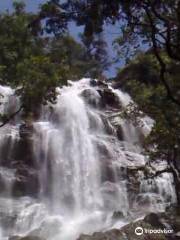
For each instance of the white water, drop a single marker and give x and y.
(80, 176)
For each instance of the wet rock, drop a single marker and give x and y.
(125, 233)
(99, 83)
(7, 156)
(171, 217)
(117, 215)
(111, 192)
(93, 82)
(14, 238)
(26, 130)
(23, 148)
(91, 97)
(26, 183)
(26, 180)
(108, 126)
(107, 173)
(26, 238)
(154, 220)
(109, 98)
(168, 220)
(49, 228)
(120, 133)
(177, 235)
(7, 220)
(2, 184)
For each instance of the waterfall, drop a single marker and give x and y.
(69, 149)
(80, 158)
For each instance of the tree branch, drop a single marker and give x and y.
(11, 117)
(163, 69)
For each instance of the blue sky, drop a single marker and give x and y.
(32, 6)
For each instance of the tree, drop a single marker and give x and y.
(156, 23)
(23, 59)
(57, 16)
(35, 64)
(64, 50)
(140, 78)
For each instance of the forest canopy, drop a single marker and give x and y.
(37, 63)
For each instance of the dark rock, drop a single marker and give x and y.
(26, 238)
(2, 184)
(166, 220)
(26, 130)
(15, 150)
(107, 173)
(177, 235)
(120, 133)
(26, 183)
(125, 233)
(14, 238)
(117, 215)
(98, 83)
(109, 98)
(171, 217)
(154, 220)
(23, 152)
(93, 82)
(91, 97)
(7, 157)
(7, 220)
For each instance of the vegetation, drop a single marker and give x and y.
(36, 64)
(150, 23)
(141, 79)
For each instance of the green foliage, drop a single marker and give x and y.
(39, 78)
(143, 25)
(141, 79)
(36, 64)
(23, 60)
(65, 51)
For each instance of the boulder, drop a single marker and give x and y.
(126, 233)
(109, 98)
(91, 97)
(154, 220)
(169, 220)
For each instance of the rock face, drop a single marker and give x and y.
(127, 232)
(22, 159)
(80, 157)
(109, 98)
(169, 221)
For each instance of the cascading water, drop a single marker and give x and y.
(79, 166)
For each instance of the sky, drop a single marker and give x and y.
(33, 5)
